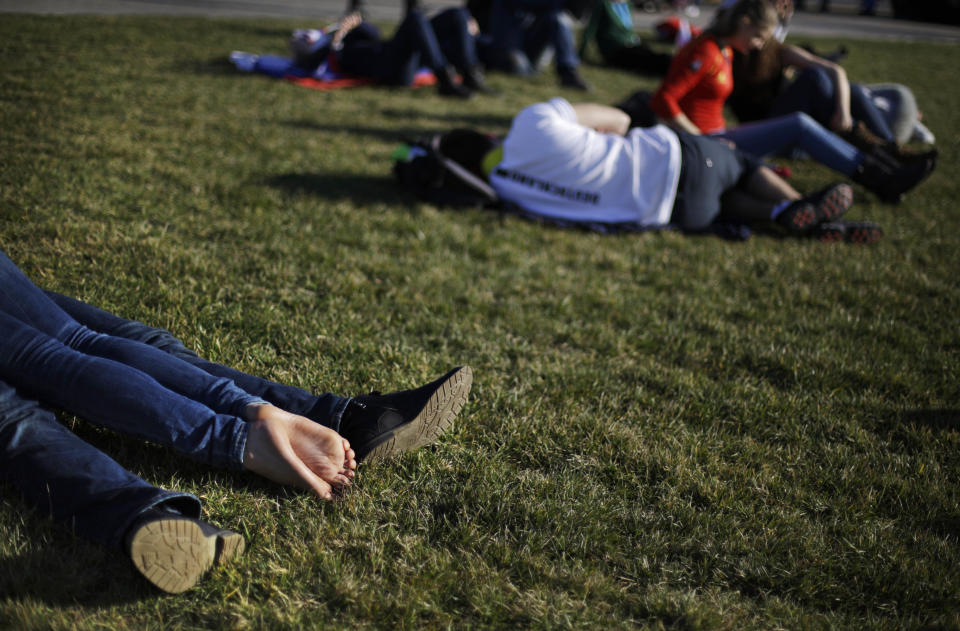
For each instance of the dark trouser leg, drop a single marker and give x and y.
(60, 475)
(326, 409)
(455, 41)
(552, 29)
(413, 43)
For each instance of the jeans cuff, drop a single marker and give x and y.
(186, 503)
(337, 415)
(238, 444)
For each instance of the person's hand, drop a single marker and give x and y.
(296, 451)
(350, 22)
(473, 28)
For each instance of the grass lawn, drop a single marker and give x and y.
(665, 431)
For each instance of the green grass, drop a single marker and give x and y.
(665, 431)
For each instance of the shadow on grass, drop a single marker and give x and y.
(380, 133)
(216, 66)
(459, 119)
(54, 566)
(936, 420)
(57, 568)
(357, 188)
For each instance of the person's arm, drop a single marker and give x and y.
(799, 58)
(686, 72)
(602, 118)
(347, 24)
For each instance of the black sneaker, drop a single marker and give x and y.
(380, 426)
(841, 231)
(804, 214)
(173, 551)
(572, 79)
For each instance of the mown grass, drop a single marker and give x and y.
(665, 431)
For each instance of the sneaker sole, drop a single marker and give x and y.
(835, 201)
(174, 553)
(861, 234)
(433, 419)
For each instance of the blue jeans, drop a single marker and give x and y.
(520, 35)
(325, 409)
(413, 45)
(131, 387)
(784, 134)
(60, 475)
(454, 38)
(813, 93)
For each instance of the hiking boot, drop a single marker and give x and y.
(804, 214)
(570, 78)
(380, 426)
(889, 182)
(173, 551)
(886, 151)
(860, 232)
(448, 86)
(474, 80)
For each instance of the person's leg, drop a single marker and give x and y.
(415, 43)
(23, 301)
(812, 93)
(862, 108)
(774, 136)
(412, 44)
(325, 409)
(452, 33)
(452, 30)
(62, 476)
(506, 37)
(759, 195)
(551, 31)
(378, 425)
(116, 396)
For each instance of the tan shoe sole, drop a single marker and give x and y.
(174, 552)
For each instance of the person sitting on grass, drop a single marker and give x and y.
(692, 96)
(762, 89)
(142, 382)
(356, 48)
(611, 26)
(583, 164)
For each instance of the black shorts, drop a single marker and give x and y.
(708, 169)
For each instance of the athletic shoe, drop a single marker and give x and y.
(572, 79)
(173, 551)
(380, 426)
(804, 214)
(841, 231)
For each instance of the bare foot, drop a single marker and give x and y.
(294, 450)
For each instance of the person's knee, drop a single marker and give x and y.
(803, 123)
(818, 81)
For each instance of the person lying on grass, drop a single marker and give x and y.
(583, 164)
(141, 381)
(444, 44)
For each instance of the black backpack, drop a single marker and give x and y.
(423, 170)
